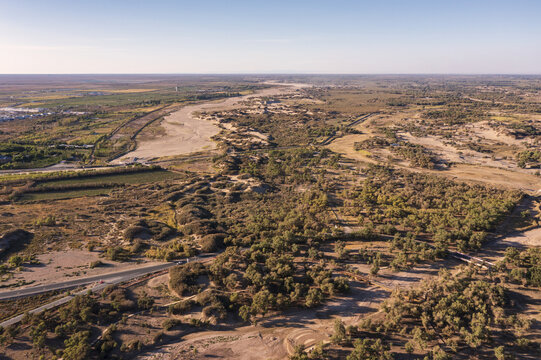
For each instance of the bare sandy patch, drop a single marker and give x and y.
(481, 172)
(529, 238)
(450, 153)
(183, 134)
(503, 178)
(468, 165)
(483, 130)
(346, 146)
(159, 281)
(530, 184)
(68, 265)
(522, 239)
(275, 336)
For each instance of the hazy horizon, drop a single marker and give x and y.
(270, 74)
(255, 37)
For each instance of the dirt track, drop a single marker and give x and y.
(274, 337)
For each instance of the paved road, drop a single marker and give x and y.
(110, 278)
(56, 168)
(77, 167)
(52, 305)
(101, 281)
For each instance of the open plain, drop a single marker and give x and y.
(293, 216)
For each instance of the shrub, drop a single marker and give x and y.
(183, 278)
(145, 302)
(181, 307)
(171, 323)
(46, 221)
(212, 242)
(117, 253)
(199, 227)
(95, 264)
(136, 231)
(191, 213)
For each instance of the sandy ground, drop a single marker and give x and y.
(520, 238)
(528, 183)
(65, 265)
(275, 336)
(451, 154)
(483, 130)
(529, 238)
(186, 133)
(345, 145)
(481, 169)
(495, 250)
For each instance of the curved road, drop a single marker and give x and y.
(110, 278)
(101, 280)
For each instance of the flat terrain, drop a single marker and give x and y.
(290, 217)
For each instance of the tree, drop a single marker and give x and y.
(145, 302)
(77, 347)
(244, 312)
(340, 249)
(299, 354)
(409, 347)
(262, 302)
(376, 264)
(499, 353)
(339, 331)
(368, 349)
(38, 334)
(15, 260)
(314, 297)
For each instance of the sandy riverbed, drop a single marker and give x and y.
(186, 133)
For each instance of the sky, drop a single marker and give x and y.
(271, 36)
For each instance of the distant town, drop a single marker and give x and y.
(15, 113)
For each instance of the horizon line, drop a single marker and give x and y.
(280, 73)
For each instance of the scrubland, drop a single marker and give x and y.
(353, 217)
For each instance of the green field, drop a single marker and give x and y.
(59, 195)
(129, 178)
(92, 185)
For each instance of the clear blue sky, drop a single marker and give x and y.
(271, 36)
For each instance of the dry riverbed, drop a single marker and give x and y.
(186, 133)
